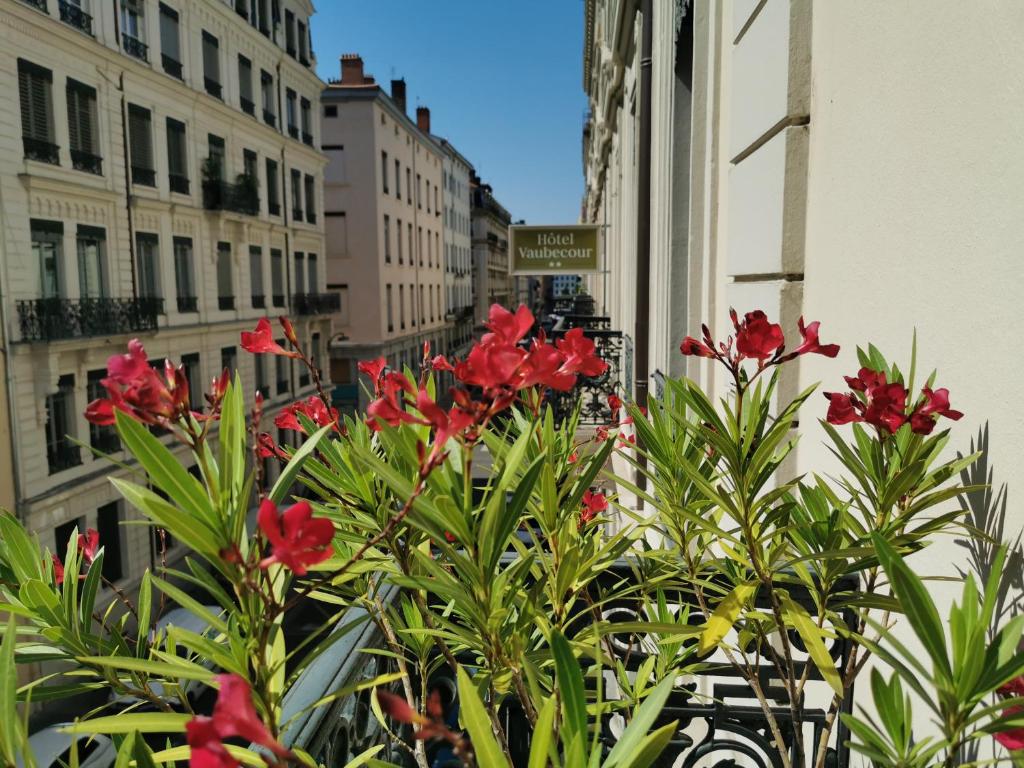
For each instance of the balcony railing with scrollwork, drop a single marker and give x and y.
(43, 151)
(241, 197)
(269, 118)
(64, 455)
(592, 391)
(247, 105)
(86, 161)
(307, 138)
(172, 66)
(135, 47)
(75, 16)
(212, 87)
(316, 303)
(225, 302)
(145, 177)
(40, 4)
(188, 304)
(178, 183)
(55, 318)
(259, 301)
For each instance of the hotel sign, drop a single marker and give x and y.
(557, 250)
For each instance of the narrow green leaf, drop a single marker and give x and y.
(629, 744)
(725, 615)
(797, 616)
(291, 470)
(143, 722)
(570, 688)
(540, 745)
(473, 714)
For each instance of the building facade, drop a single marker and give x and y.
(490, 221)
(159, 179)
(458, 247)
(383, 207)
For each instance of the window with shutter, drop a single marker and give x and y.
(296, 194)
(225, 289)
(183, 277)
(147, 265)
(289, 32)
(47, 239)
(267, 88)
(256, 276)
(277, 276)
(83, 132)
(311, 276)
(289, 100)
(211, 64)
(177, 156)
(300, 274)
(310, 200)
(307, 122)
(140, 138)
(273, 200)
(35, 94)
(302, 39)
(245, 85)
(91, 242)
(170, 41)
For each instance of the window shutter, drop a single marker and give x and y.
(82, 128)
(211, 64)
(140, 136)
(176, 160)
(34, 84)
(169, 45)
(245, 78)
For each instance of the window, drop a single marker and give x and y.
(437, 209)
(387, 239)
(170, 42)
(273, 198)
(101, 438)
(408, 185)
(177, 156)
(398, 185)
(256, 276)
(140, 138)
(225, 287)
(267, 88)
(398, 240)
(211, 64)
(423, 309)
(430, 252)
(91, 245)
(281, 366)
(47, 239)
(133, 29)
(428, 195)
(290, 113)
(310, 199)
(384, 170)
(391, 324)
(194, 377)
(289, 32)
(245, 85)
(83, 131)
(296, 194)
(307, 121)
(419, 244)
(312, 278)
(108, 525)
(260, 365)
(183, 275)
(62, 536)
(419, 191)
(412, 254)
(61, 452)
(147, 264)
(430, 296)
(250, 164)
(277, 277)
(303, 40)
(412, 301)
(264, 25)
(401, 307)
(229, 360)
(331, 110)
(36, 96)
(300, 273)
(215, 157)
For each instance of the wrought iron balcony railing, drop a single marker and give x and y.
(226, 302)
(75, 16)
(311, 217)
(241, 10)
(293, 131)
(145, 177)
(172, 67)
(269, 118)
(241, 197)
(178, 183)
(259, 301)
(188, 304)
(212, 87)
(592, 391)
(135, 47)
(43, 151)
(40, 4)
(86, 161)
(316, 303)
(307, 138)
(297, 214)
(63, 456)
(56, 318)
(278, 299)
(274, 209)
(247, 105)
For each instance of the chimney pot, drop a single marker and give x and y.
(398, 93)
(352, 69)
(423, 119)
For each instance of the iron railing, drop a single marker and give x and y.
(248, 106)
(40, 4)
(172, 66)
(259, 301)
(591, 392)
(63, 455)
(43, 151)
(135, 47)
(316, 303)
(226, 302)
(145, 177)
(212, 87)
(188, 304)
(56, 318)
(178, 183)
(86, 161)
(75, 16)
(241, 197)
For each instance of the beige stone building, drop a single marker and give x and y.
(160, 179)
(490, 221)
(458, 247)
(383, 208)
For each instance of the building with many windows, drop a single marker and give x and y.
(383, 207)
(160, 179)
(490, 221)
(458, 247)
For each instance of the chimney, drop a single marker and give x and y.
(352, 69)
(398, 93)
(423, 119)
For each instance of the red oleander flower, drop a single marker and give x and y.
(312, 408)
(89, 544)
(430, 727)
(266, 447)
(926, 414)
(574, 457)
(58, 570)
(626, 441)
(615, 403)
(841, 409)
(544, 365)
(601, 433)
(440, 363)
(1013, 688)
(297, 539)
(810, 344)
(261, 340)
(593, 505)
(580, 354)
(233, 716)
(289, 331)
(507, 327)
(136, 389)
(692, 346)
(389, 406)
(373, 368)
(1013, 738)
(873, 400)
(756, 338)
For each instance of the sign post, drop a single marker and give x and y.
(554, 250)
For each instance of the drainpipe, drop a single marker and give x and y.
(13, 423)
(127, 159)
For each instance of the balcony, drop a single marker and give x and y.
(145, 177)
(241, 10)
(86, 161)
(135, 47)
(75, 16)
(188, 304)
(307, 138)
(212, 87)
(316, 303)
(240, 197)
(43, 151)
(226, 302)
(277, 299)
(274, 209)
(269, 118)
(247, 106)
(259, 301)
(178, 183)
(39, 4)
(293, 131)
(104, 439)
(297, 214)
(63, 456)
(55, 318)
(172, 66)
(311, 217)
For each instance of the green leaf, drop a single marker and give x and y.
(796, 615)
(291, 470)
(8, 700)
(725, 615)
(473, 714)
(192, 605)
(166, 669)
(570, 687)
(143, 722)
(540, 744)
(652, 746)
(629, 743)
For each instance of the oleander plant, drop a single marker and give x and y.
(477, 532)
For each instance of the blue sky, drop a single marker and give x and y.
(502, 79)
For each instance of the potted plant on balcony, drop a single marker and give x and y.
(486, 610)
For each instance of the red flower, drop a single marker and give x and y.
(296, 537)
(1013, 688)
(373, 368)
(1013, 738)
(756, 338)
(601, 433)
(88, 544)
(509, 328)
(841, 409)
(626, 442)
(593, 505)
(691, 346)
(58, 570)
(138, 390)
(440, 363)
(388, 408)
(261, 340)
(810, 344)
(233, 716)
(615, 403)
(935, 404)
(580, 355)
(266, 447)
(312, 408)
(289, 331)
(574, 457)
(879, 403)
